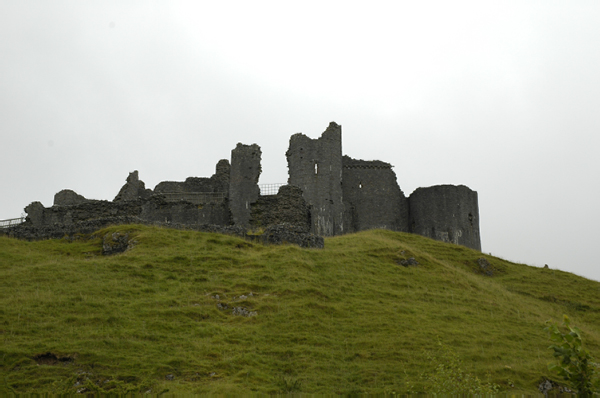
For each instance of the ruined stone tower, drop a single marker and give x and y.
(448, 213)
(243, 186)
(315, 166)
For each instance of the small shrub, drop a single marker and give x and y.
(575, 365)
(449, 377)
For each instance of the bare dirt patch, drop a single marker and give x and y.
(49, 358)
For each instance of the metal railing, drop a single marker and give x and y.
(269, 189)
(11, 222)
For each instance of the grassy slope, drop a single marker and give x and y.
(343, 319)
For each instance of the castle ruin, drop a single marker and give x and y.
(327, 194)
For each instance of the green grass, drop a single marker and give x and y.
(345, 319)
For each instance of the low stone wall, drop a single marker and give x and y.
(274, 234)
(288, 206)
(218, 182)
(154, 209)
(38, 215)
(288, 233)
(30, 232)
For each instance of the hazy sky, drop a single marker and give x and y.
(501, 96)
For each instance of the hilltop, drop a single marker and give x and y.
(187, 311)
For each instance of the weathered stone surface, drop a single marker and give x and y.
(327, 195)
(31, 232)
(448, 213)
(28, 231)
(485, 267)
(67, 197)
(243, 187)
(116, 242)
(548, 386)
(152, 210)
(288, 206)
(409, 262)
(372, 196)
(157, 209)
(35, 214)
(241, 311)
(217, 183)
(133, 189)
(288, 233)
(315, 166)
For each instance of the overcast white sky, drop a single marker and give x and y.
(501, 96)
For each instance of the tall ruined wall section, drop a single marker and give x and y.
(372, 196)
(448, 213)
(315, 166)
(243, 186)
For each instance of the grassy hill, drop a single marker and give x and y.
(345, 319)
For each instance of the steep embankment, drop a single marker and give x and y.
(196, 312)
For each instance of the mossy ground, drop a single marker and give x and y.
(344, 319)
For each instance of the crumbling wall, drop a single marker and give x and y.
(315, 166)
(133, 189)
(218, 182)
(288, 206)
(38, 215)
(35, 214)
(372, 196)
(327, 195)
(153, 209)
(157, 209)
(67, 197)
(56, 231)
(448, 213)
(278, 234)
(243, 185)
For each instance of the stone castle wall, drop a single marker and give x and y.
(372, 196)
(288, 206)
(446, 212)
(217, 183)
(328, 194)
(315, 166)
(153, 209)
(243, 185)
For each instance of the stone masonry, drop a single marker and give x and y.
(315, 166)
(327, 194)
(372, 196)
(243, 186)
(446, 212)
